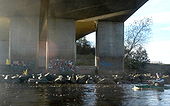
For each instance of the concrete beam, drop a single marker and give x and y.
(94, 8)
(11, 8)
(110, 47)
(84, 28)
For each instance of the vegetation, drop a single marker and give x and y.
(137, 60)
(86, 53)
(136, 35)
(84, 47)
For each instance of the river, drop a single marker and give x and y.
(80, 95)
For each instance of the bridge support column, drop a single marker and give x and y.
(61, 39)
(4, 40)
(24, 39)
(110, 47)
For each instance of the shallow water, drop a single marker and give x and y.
(80, 95)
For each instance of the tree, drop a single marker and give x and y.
(84, 47)
(136, 35)
(137, 60)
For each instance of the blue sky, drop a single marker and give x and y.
(158, 47)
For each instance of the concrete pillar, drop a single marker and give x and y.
(110, 47)
(42, 46)
(4, 39)
(24, 39)
(43, 34)
(61, 39)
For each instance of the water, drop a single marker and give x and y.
(80, 95)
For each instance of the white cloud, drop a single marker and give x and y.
(162, 17)
(92, 38)
(159, 51)
(165, 29)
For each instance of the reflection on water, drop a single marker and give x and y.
(146, 97)
(78, 95)
(89, 95)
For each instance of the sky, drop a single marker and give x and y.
(158, 46)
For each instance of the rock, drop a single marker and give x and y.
(106, 81)
(16, 76)
(39, 76)
(31, 80)
(15, 80)
(33, 76)
(126, 79)
(1, 78)
(137, 79)
(117, 78)
(68, 79)
(96, 79)
(60, 79)
(49, 77)
(24, 78)
(73, 79)
(43, 80)
(82, 79)
(7, 77)
(90, 81)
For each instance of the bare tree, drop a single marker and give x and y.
(136, 34)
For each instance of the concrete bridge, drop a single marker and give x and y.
(38, 30)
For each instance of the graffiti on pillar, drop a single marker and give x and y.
(104, 63)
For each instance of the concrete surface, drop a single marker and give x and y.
(24, 39)
(61, 39)
(4, 49)
(4, 39)
(110, 47)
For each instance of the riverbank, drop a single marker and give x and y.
(45, 78)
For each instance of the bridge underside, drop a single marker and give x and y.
(38, 30)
